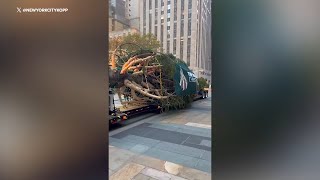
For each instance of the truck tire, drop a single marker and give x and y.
(158, 110)
(203, 95)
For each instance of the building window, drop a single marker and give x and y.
(150, 22)
(175, 10)
(182, 28)
(188, 51)
(156, 31)
(162, 20)
(161, 34)
(169, 2)
(156, 3)
(168, 33)
(189, 27)
(189, 4)
(162, 3)
(156, 16)
(175, 30)
(150, 4)
(181, 49)
(168, 10)
(168, 46)
(174, 46)
(168, 19)
(182, 5)
(144, 30)
(144, 12)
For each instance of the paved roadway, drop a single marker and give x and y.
(173, 145)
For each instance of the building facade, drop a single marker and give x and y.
(183, 28)
(124, 32)
(133, 13)
(117, 16)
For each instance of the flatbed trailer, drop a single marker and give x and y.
(132, 111)
(116, 118)
(118, 115)
(121, 113)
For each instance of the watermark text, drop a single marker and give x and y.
(42, 10)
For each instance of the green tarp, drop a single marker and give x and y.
(185, 81)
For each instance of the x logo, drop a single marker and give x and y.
(18, 10)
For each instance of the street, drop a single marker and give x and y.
(171, 145)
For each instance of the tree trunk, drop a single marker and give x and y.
(142, 91)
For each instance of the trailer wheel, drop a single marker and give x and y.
(203, 95)
(159, 111)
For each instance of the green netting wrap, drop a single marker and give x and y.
(144, 77)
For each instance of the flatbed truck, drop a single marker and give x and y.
(119, 114)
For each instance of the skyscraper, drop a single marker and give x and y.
(133, 13)
(183, 28)
(117, 15)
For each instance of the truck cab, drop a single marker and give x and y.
(115, 116)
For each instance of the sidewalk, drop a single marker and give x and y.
(174, 145)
